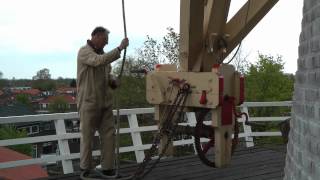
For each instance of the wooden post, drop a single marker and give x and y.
(191, 32)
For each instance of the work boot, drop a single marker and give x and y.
(85, 173)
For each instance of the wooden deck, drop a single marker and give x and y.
(247, 164)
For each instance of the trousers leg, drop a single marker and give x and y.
(88, 119)
(107, 139)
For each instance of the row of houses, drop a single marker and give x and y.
(40, 102)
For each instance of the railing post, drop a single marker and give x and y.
(63, 146)
(191, 116)
(136, 137)
(247, 128)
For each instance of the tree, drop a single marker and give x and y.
(1, 75)
(42, 74)
(239, 60)
(149, 54)
(73, 83)
(170, 46)
(58, 105)
(23, 99)
(10, 132)
(44, 84)
(131, 94)
(266, 81)
(152, 52)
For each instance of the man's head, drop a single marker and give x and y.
(99, 37)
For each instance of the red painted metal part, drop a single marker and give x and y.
(227, 111)
(221, 88)
(203, 99)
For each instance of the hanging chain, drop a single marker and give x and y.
(168, 128)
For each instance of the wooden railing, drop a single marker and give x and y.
(62, 136)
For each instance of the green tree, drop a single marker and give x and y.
(266, 81)
(23, 99)
(153, 52)
(170, 46)
(149, 54)
(44, 84)
(132, 93)
(73, 83)
(10, 132)
(58, 105)
(1, 75)
(4, 83)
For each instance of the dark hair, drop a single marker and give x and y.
(99, 29)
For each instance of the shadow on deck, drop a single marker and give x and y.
(258, 163)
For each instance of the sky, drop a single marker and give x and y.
(37, 34)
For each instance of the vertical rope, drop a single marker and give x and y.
(117, 103)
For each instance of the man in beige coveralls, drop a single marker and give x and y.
(94, 99)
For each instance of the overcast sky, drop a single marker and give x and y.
(37, 34)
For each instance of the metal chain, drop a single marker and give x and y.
(167, 129)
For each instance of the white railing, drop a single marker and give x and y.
(134, 129)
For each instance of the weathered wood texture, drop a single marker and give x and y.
(246, 164)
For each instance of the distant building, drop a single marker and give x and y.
(20, 88)
(70, 100)
(67, 91)
(30, 92)
(35, 128)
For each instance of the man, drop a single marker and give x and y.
(94, 99)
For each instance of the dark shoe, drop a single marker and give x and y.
(110, 172)
(84, 173)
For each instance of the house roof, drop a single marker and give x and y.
(21, 172)
(32, 92)
(70, 99)
(16, 109)
(66, 90)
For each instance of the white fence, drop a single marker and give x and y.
(134, 129)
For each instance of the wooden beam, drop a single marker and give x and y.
(191, 32)
(245, 20)
(215, 17)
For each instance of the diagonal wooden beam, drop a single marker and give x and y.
(245, 20)
(215, 17)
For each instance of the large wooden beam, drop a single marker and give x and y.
(216, 14)
(245, 20)
(215, 17)
(191, 32)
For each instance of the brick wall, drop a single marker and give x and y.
(303, 155)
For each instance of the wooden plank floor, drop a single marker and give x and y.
(247, 164)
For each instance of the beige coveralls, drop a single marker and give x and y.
(94, 100)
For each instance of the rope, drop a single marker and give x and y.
(245, 23)
(117, 99)
(125, 35)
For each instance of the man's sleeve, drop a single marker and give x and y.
(89, 57)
